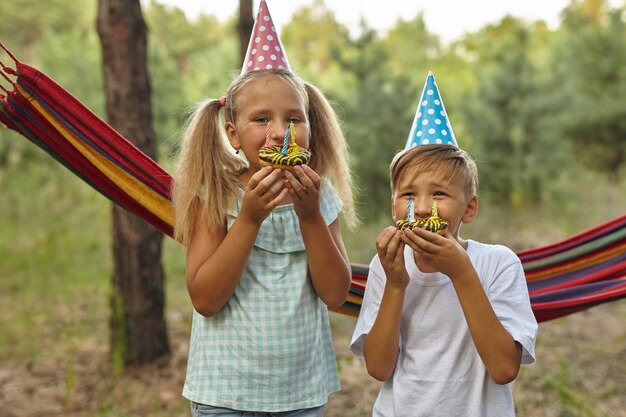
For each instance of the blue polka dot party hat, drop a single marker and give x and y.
(431, 125)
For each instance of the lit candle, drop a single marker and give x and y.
(285, 142)
(409, 210)
(268, 134)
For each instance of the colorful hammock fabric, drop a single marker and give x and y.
(569, 276)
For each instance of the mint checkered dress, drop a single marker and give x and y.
(269, 348)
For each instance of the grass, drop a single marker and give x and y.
(55, 268)
(579, 371)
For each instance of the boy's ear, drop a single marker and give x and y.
(471, 209)
(231, 133)
(393, 208)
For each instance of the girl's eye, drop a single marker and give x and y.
(261, 120)
(293, 120)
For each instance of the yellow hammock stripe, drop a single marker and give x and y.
(144, 195)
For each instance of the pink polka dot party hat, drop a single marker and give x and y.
(265, 51)
(431, 125)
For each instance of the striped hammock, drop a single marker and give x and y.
(569, 276)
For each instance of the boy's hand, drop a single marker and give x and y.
(264, 192)
(390, 249)
(304, 186)
(442, 252)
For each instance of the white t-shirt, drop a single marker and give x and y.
(439, 371)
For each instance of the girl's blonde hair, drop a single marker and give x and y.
(207, 174)
(448, 160)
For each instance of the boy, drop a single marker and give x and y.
(445, 322)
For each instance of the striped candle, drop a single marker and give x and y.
(285, 142)
(268, 134)
(409, 210)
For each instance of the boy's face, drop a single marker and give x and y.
(425, 187)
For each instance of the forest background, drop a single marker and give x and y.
(542, 110)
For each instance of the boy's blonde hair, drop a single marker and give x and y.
(208, 169)
(447, 160)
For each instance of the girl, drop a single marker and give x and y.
(265, 255)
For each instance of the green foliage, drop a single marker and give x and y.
(310, 52)
(25, 24)
(504, 112)
(54, 258)
(181, 38)
(412, 51)
(166, 82)
(72, 59)
(213, 71)
(589, 63)
(378, 114)
(188, 61)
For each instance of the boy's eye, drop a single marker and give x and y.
(439, 194)
(261, 119)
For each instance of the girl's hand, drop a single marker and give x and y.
(304, 186)
(264, 192)
(390, 249)
(441, 252)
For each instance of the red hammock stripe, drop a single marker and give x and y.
(91, 164)
(583, 262)
(93, 127)
(80, 153)
(607, 274)
(553, 309)
(571, 242)
(597, 244)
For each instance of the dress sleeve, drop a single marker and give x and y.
(330, 203)
(369, 307)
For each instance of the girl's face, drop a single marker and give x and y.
(424, 188)
(269, 99)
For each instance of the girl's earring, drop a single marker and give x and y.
(237, 151)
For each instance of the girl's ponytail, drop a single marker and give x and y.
(206, 173)
(329, 149)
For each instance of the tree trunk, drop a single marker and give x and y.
(246, 23)
(138, 332)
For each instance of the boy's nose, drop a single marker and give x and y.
(423, 208)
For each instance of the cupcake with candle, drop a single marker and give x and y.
(286, 156)
(434, 223)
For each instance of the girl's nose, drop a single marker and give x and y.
(275, 133)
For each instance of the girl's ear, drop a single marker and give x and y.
(231, 132)
(471, 209)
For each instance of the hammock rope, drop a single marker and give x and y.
(574, 274)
